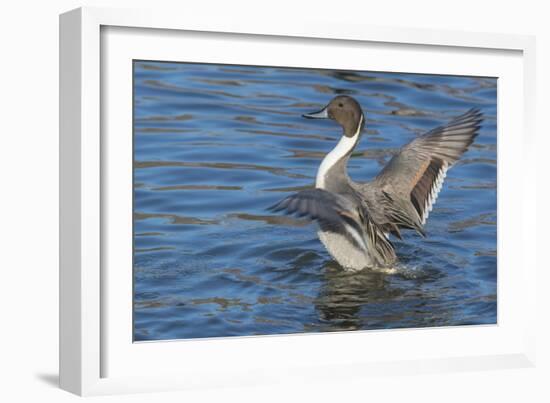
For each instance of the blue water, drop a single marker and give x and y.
(215, 145)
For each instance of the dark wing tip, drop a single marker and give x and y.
(473, 115)
(286, 206)
(276, 207)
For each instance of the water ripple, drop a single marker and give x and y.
(215, 145)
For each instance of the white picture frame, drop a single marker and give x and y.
(96, 355)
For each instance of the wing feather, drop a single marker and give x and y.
(339, 214)
(418, 171)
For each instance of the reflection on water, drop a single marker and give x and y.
(343, 294)
(354, 301)
(215, 145)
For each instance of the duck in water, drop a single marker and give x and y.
(356, 219)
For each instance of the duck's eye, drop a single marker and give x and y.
(341, 105)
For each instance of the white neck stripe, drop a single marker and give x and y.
(344, 146)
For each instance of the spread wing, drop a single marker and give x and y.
(413, 177)
(316, 204)
(345, 215)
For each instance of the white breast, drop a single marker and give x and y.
(344, 252)
(347, 254)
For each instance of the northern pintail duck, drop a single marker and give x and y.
(356, 219)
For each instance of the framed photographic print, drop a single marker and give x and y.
(242, 202)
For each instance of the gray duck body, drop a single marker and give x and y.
(356, 219)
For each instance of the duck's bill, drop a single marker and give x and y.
(322, 114)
